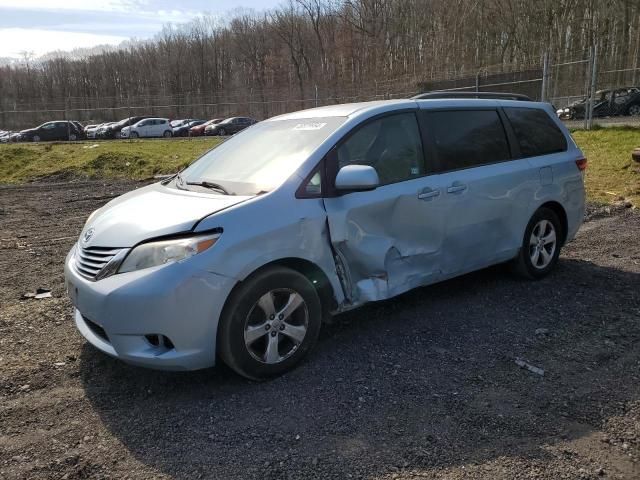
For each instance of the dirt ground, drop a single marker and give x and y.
(421, 386)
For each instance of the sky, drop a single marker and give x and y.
(42, 26)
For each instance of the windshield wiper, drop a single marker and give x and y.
(210, 185)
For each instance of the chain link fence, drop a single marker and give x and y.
(583, 95)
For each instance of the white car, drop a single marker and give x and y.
(91, 131)
(149, 127)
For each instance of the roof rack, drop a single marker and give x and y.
(492, 95)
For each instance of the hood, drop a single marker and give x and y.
(149, 212)
(29, 130)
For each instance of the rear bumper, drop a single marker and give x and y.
(120, 315)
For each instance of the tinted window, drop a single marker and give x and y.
(537, 134)
(391, 145)
(466, 138)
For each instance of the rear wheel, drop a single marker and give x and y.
(269, 324)
(540, 246)
(634, 110)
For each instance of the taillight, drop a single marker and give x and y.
(581, 163)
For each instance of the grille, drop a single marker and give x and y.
(91, 260)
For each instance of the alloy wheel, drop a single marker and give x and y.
(542, 244)
(276, 326)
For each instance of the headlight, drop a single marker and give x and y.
(153, 254)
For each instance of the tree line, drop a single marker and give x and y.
(331, 50)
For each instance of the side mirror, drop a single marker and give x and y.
(357, 177)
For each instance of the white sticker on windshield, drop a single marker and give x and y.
(309, 126)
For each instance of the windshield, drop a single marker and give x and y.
(262, 156)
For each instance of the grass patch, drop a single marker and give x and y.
(611, 173)
(136, 159)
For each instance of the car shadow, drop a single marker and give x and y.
(425, 381)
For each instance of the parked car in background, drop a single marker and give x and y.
(181, 122)
(148, 127)
(184, 130)
(198, 130)
(90, 131)
(102, 128)
(58, 130)
(5, 136)
(607, 103)
(229, 126)
(215, 263)
(113, 130)
(79, 126)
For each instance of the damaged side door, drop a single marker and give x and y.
(387, 240)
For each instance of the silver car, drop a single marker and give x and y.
(244, 253)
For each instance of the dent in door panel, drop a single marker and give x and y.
(383, 263)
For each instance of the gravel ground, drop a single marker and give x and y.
(422, 386)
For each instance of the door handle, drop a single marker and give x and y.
(425, 195)
(456, 188)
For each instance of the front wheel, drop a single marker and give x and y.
(269, 324)
(35, 138)
(166, 134)
(540, 246)
(133, 135)
(222, 132)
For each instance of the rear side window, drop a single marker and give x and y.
(466, 138)
(536, 133)
(391, 145)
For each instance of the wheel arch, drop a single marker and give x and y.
(310, 270)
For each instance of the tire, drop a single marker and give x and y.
(534, 266)
(73, 137)
(35, 138)
(241, 343)
(222, 132)
(167, 134)
(634, 110)
(133, 135)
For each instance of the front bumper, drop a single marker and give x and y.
(120, 314)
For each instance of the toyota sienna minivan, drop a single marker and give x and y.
(244, 253)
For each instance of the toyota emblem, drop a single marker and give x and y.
(87, 235)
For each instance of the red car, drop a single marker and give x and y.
(198, 130)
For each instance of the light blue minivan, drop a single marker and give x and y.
(244, 253)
